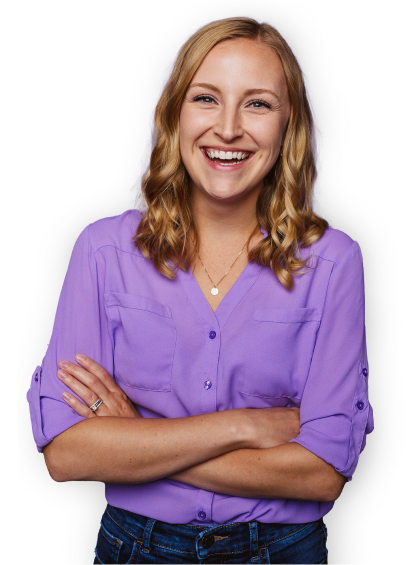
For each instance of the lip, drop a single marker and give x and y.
(226, 168)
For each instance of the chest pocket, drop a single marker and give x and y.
(278, 351)
(144, 338)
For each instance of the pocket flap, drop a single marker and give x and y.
(137, 302)
(288, 315)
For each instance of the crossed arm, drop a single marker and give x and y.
(245, 453)
(284, 471)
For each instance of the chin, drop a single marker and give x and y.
(225, 193)
(221, 189)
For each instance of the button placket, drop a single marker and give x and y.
(203, 506)
(213, 348)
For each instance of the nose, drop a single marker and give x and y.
(229, 124)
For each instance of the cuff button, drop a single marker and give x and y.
(360, 405)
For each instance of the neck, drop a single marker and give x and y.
(228, 220)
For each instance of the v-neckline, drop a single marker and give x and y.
(233, 296)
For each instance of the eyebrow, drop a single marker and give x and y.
(247, 92)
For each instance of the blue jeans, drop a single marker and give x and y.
(125, 537)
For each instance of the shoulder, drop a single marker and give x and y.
(334, 246)
(115, 231)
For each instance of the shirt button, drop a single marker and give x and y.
(212, 335)
(207, 384)
(202, 515)
(360, 405)
(365, 372)
(36, 379)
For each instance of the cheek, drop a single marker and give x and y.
(192, 125)
(268, 134)
(187, 135)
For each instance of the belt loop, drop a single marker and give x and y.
(254, 542)
(147, 535)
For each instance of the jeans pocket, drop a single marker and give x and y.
(306, 543)
(108, 547)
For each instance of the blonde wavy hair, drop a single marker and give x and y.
(284, 205)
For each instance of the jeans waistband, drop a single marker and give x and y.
(203, 540)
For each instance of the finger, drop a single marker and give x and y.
(85, 393)
(78, 406)
(90, 380)
(96, 369)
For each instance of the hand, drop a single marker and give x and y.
(91, 382)
(272, 426)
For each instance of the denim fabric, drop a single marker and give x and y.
(125, 537)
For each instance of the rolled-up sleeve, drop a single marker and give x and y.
(335, 413)
(80, 326)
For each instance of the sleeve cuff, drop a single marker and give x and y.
(49, 417)
(33, 398)
(336, 440)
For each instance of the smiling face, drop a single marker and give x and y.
(233, 119)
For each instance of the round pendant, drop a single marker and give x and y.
(214, 290)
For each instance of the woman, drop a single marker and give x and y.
(229, 293)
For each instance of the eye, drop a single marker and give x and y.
(204, 98)
(259, 104)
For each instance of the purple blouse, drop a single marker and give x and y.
(174, 357)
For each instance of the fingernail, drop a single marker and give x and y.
(63, 364)
(80, 357)
(66, 396)
(62, 374)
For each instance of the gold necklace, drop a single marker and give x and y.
(215, 290)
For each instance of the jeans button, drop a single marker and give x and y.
(207, 541)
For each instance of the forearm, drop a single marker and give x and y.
(128, 450)
(285, 471)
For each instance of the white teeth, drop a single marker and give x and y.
(226, 155)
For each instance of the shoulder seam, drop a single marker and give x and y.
(119, 249)
(336, 263)
(109, 244)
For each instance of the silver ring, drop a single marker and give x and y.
(96, 405)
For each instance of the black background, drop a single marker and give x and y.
(89, 81)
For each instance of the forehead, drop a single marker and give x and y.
(243, 62)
